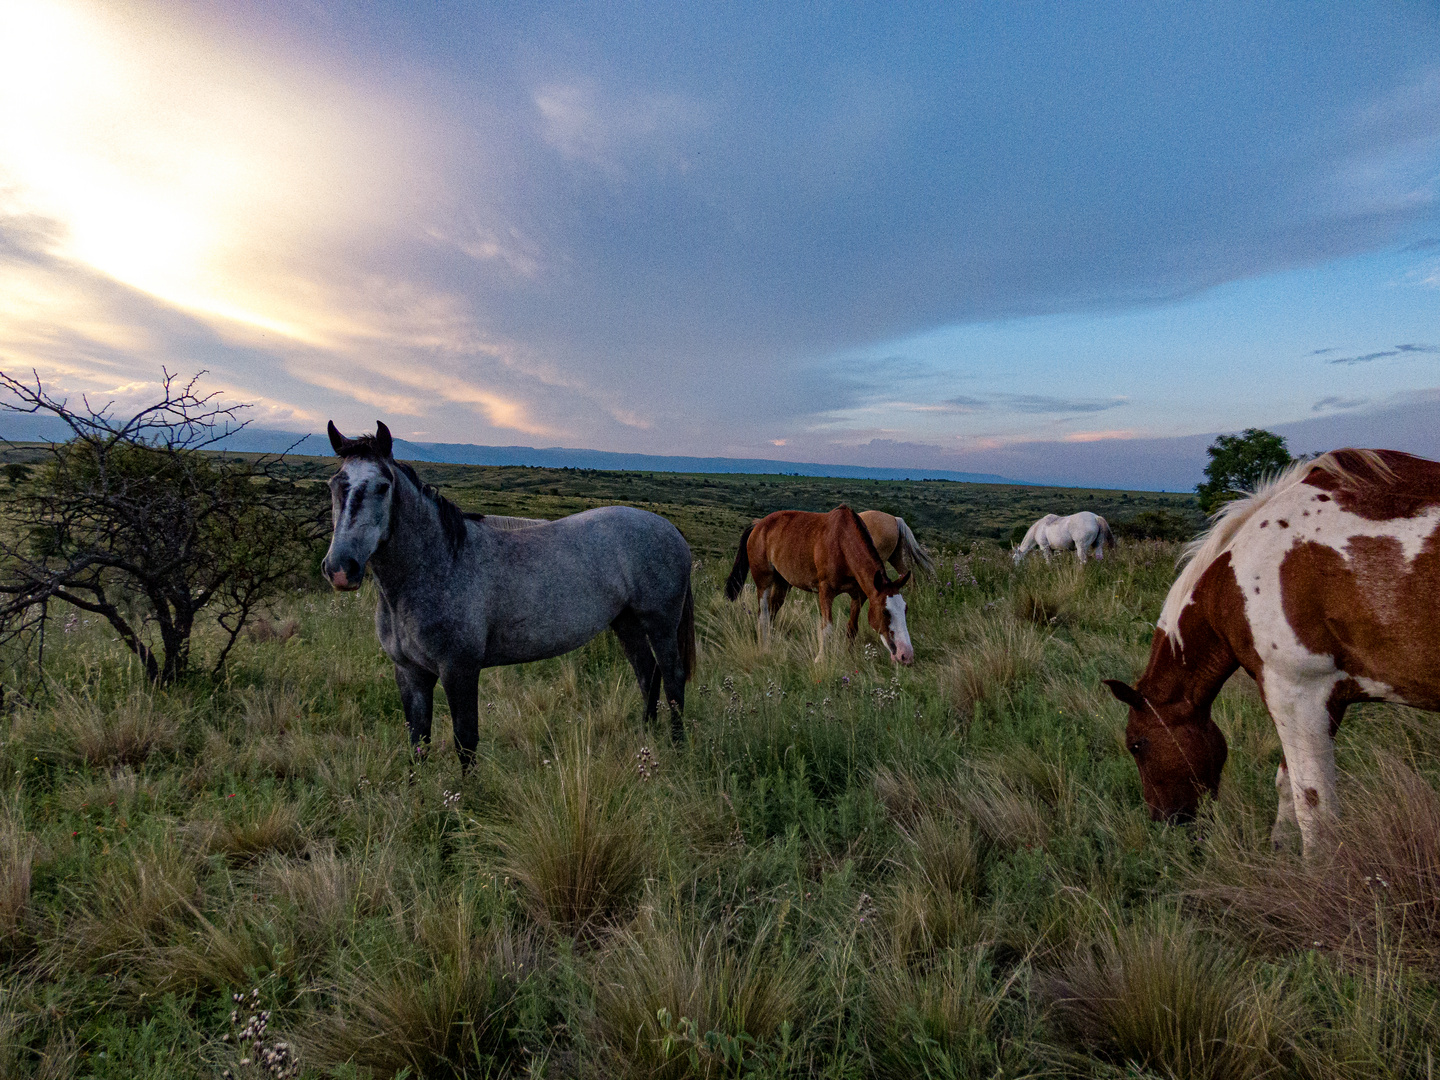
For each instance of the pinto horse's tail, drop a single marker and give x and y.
(686, 634)
(914, 551)
(736, 581)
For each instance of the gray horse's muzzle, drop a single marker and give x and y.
(344, 573)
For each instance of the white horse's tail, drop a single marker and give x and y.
(1107, 538)
(914, 551)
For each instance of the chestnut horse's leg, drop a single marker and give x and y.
(853, 626)
(826, 596)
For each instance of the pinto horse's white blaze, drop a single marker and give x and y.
(1322, 585)
(1085, 532)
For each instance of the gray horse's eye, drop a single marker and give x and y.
(381, 488)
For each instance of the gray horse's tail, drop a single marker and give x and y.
(687, 634)
(914, 550)
(736, 581)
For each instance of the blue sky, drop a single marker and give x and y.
(1062, 242)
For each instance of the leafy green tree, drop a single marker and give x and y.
(1238, 463)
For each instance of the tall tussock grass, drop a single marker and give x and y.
(1047, 594)
(577, 837)
(941, 1019)
(17, 855)
(443, 1008)
(79, 729)
(994, 654)
(1377, 882)
(675, 998)
(1159, 996)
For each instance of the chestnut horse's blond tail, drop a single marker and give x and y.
(914, 550)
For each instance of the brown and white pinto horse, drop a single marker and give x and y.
(1323, 585)
(827, 554)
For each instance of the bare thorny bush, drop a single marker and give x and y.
(133, 521)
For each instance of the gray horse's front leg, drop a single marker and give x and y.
(417, 697)
(462, 691)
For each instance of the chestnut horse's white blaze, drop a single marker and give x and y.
(1085, 532)
(1322, 585)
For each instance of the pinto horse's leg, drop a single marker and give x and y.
(417, 697)
(462, 690)
(1302, 720)
(1285, 819)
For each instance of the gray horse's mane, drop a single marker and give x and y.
(452, 518)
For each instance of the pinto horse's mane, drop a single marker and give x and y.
(452, 518)
(1349, 467)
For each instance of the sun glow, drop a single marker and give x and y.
(162, 162)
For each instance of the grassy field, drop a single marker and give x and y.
(848, 870)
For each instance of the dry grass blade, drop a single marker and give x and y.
(276, 830)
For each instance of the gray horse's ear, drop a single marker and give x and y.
(383, 442)
(337, 441)
(1127, 694)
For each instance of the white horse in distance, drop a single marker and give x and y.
(1084, 531)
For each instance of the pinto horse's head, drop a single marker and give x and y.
(887, 617)
(360, 494)
(1178, 749)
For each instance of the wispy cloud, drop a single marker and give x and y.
(1036, 404)
(1043, 404)
(1335, 403)
(1398, 350)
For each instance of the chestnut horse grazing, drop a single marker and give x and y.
(895, 542)
(827, 554)
(1323, 585)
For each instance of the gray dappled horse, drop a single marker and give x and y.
(457, 596)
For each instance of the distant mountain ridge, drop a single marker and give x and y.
(271, 441)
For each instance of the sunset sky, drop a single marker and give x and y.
(1051, 241)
